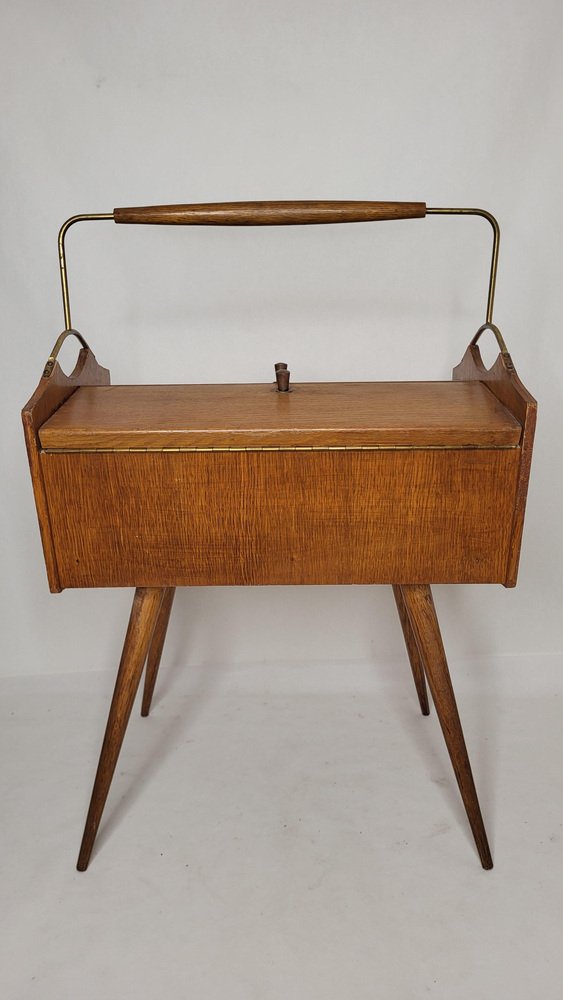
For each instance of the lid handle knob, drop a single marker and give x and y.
(282, 376)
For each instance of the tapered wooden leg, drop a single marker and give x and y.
(144, 613)
(155, 648)
(422, 615)
(413, 651)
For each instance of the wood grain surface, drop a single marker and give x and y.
(424, 622)
(155, 649)
(144, 614)
(324, 414)
(413, 651)
(270, 213)
(170, 519)
(503, 381)
(54, 388)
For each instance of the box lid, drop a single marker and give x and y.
(311, 415)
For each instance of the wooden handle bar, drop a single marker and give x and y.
(270, 213)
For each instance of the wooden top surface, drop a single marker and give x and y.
(312, 414)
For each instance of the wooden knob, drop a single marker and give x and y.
(282, 376)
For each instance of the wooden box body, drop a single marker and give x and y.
(331, 483)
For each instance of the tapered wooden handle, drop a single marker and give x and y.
(270, 213)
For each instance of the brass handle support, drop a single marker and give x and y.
(496, 244)
(275, 213)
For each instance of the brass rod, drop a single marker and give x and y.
(429, 211)
(62, 257)
(496, 243)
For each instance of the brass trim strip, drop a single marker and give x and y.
(257, 448)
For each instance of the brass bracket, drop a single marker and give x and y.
(50, 363)
(500, 341)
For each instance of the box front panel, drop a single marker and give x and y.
(286, 517)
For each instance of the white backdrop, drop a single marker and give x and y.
(128, 103)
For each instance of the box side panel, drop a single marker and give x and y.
(503, 382)
(41, 503)
(194, 519)
(54, 389)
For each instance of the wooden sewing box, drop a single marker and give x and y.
(401, 483)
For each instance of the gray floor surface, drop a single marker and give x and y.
(284, 831)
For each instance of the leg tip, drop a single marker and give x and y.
(84, 854)
(485, 856)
